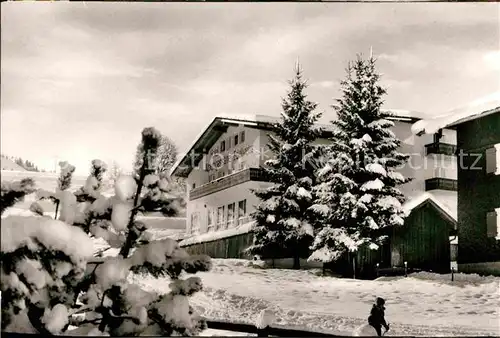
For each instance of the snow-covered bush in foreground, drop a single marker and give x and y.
(50, 280)
(13, 192)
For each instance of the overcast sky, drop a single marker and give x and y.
(81, 80)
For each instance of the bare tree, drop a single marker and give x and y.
(167, 155)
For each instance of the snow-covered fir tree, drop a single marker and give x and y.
(61, 193)
(282, 219)
(51, 282)
(357, 199)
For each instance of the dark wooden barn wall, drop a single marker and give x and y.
(229, 247)
(423, 242)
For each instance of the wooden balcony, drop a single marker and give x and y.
(441, 148)
(242, 176)
(441, 184)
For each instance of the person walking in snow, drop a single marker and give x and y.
(377, 316)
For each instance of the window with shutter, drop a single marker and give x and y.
(492, 224)
(491, 160)
(497, 211)
(497, 157)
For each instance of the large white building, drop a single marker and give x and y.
(222, 167)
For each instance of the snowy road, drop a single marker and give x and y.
(415, 305)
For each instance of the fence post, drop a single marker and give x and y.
(452, 274)
(265, 319)
(406, 269)
(354, 267)
(376, 269)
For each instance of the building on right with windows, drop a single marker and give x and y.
(478, 161)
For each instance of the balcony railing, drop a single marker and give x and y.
(439, 183)
(441, 148)
(249, 174)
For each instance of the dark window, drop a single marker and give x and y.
(194, 185)
(242, 208)
(220, 216)
(210, 221)
(230, 214)
(236, 139)
(242, 137)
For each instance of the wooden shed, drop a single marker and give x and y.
(424, 240)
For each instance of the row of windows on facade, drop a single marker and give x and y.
(217, 219)
(492, 164)
(216, 174)
(224, 145)
(227, 143)
(232, 168)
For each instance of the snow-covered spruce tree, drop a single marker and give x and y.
(60, 194)
(357, 200)
(49, 279)
(282, 217)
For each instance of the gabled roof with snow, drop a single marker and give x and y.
(479, 108)
(446, 201)
(218, 126)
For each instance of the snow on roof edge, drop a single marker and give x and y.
(241, 118)
(414, 202)
(486, 105)
(237, 118)
(403, 113)
(191, 146)
(215, 235)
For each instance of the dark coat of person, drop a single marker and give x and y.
(377, 316)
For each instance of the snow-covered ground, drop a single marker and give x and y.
(422, 304)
